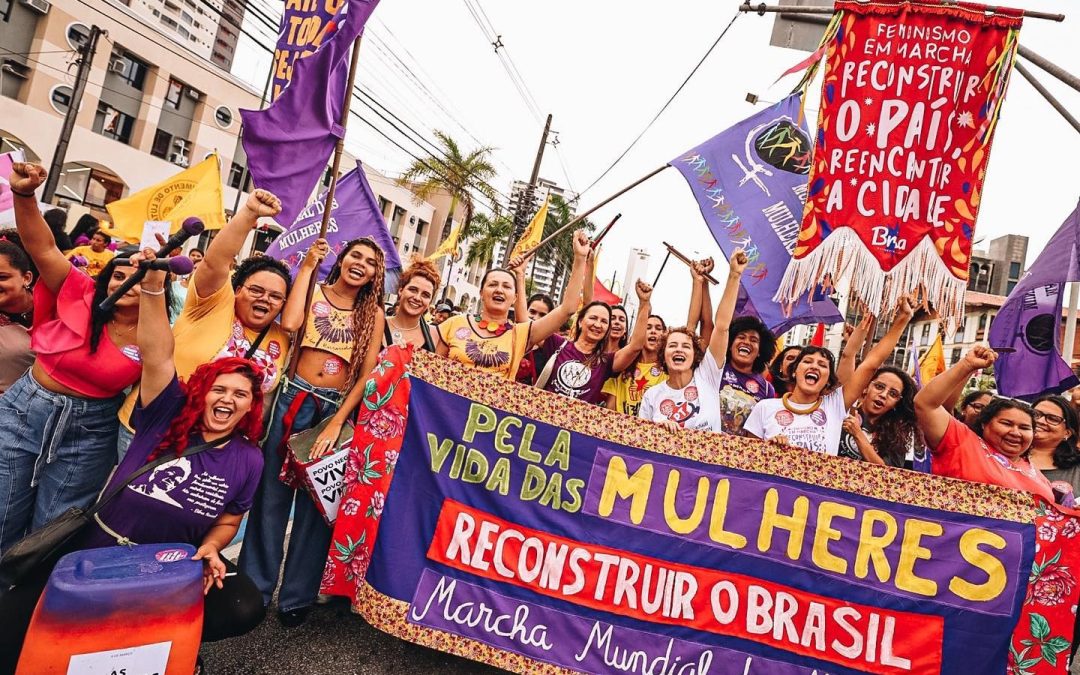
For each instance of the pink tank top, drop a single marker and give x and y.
(61, 338)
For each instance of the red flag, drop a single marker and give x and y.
(601, 293)
(819, 336)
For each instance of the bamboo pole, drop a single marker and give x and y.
(794, 9)
(328, 202)
(582, 217)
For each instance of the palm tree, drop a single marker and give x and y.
(560, 252)
(460, 174)
(488, 231)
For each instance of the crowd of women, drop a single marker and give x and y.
(202, 387)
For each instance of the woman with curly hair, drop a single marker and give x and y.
(58, 423)
(406, 325)
(778, 369)
(882, 428)
(690, 398)
(1053, 450)
(209, 425)
(17, 277)
(339, 343)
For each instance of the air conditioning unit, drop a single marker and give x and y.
(39, 6)
(179, 159)
(194, 94)
(118, 66)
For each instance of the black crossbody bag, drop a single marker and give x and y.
(38, 552)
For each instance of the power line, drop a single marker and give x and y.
(664, 107)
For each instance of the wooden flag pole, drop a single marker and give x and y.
(762, 8)
(687, 261)
(328, 203)
(582, 217)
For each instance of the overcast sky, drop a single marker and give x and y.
(604, 68)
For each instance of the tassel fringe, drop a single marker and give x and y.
(843, 255)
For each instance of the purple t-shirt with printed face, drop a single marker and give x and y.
(178, 501)
(576, 374)
(739, 394)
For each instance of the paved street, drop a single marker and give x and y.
(333, 641)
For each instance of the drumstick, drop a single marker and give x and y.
(675, 252)
(603, 232)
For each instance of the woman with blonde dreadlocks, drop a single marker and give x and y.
(340, 343)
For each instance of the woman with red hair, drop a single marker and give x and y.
(210, 425)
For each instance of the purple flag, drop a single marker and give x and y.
(750, 182)
(1029, 323)
(355, 214)
(304, 26)
(289, 142)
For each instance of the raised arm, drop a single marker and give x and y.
(155, 337)
(588, 284)
(214, 270)
(547, 326)
(34, 232)
(858, 381)
(625, 356)
(853, 344)
(292, 315)
(718, 341)
(521, 300)
(693, 314)
(930, 411)
(707, 322)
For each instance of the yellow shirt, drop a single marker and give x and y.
(629, 391)
(329, 328)
(208, 330)
(500, 354)
(95, 262)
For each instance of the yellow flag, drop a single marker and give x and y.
(534, 233)
(932, 363)
(449, 245)
(192, 192)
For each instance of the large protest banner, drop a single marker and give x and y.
(910, 100)
(304, 26)
(540, 534)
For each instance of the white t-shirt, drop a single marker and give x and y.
(819, 431)
(695, 406)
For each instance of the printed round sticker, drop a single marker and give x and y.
(274, 349)
(332, 365)
(784, 418)
(690, 394)
(752, 387)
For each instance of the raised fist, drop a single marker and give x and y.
(26, 177)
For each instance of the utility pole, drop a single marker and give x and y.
(526, 201)
(86, 58)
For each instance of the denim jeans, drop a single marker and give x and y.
(123, 442)
(264, 539)
(56, 452)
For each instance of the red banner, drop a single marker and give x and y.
(910, 99)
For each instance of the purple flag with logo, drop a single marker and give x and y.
(355, 214)
(1027, 330)
(750, 182)
(289, 142)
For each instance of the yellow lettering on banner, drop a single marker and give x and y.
(481, 419)
(476, 467)
(678, 524)
(719, 512)
(618, 484)
(560, 451)
(332, 6)
(439, 451)
(912, 551)
(872, 546)
(795, 524)
(294, 5)
(824, 533)
(502, 432)
(294, 24)
(996, 578)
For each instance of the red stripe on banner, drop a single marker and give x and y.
(856, 636)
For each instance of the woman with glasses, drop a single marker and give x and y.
(882, 429)
(340, 338)
(1054, 449)
(972, 405)
(996, 449)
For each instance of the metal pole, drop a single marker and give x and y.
(762, 8)
(582, 217)
(86, 58)
(1054, 103)
(1070, 323)
(526, 200)
(662, 265)
(328, 200)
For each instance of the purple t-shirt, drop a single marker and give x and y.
(738, 396)
(178, 501)
(576, 374)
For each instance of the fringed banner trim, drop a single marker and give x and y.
(844, 255)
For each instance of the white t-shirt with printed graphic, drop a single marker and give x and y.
(818, 431)
(695, 406)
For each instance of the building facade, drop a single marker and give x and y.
(997, 270)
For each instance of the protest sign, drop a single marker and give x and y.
(910, 100)
(304, 25)
(540, 534)
(750, 183)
